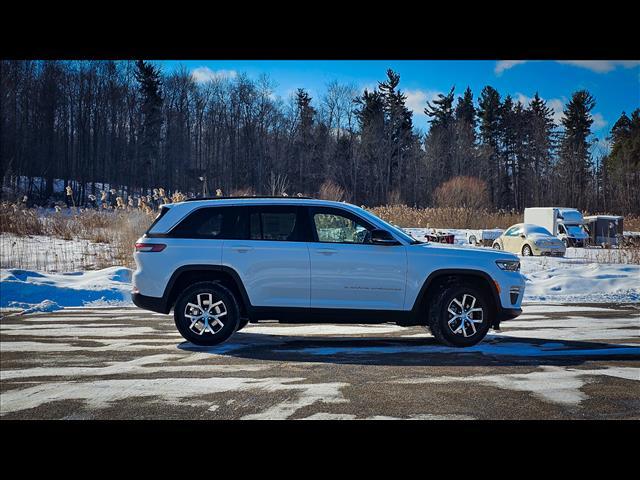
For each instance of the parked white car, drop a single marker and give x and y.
(527, 239)
(220, 263)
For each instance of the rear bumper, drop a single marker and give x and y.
(155, 304)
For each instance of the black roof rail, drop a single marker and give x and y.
(278, 197)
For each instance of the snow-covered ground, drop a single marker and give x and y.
(33, 291)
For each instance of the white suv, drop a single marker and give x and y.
(220, 263)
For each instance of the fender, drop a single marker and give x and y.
(453, 271)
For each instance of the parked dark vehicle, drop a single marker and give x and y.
(605, 230)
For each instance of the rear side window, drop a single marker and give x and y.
(277, 223)
(215, 223)
(163, 211)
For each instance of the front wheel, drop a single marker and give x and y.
(496, 246)
(460, 316)
(206, 314)
(526, 251)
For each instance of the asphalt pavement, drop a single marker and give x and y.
(553, 362)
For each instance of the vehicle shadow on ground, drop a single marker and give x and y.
(494, 351)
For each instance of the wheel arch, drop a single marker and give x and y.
(190, 274)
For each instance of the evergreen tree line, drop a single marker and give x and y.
(127, 125)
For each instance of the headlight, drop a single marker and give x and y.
(509, 265)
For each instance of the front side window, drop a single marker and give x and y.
(512, 232)
(332, 227)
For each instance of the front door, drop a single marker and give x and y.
(347, 270)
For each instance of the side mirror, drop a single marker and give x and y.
(522, 235)
(382, 237)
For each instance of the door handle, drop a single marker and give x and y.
(241, 248)
(327, 251)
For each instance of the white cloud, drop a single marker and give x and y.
(205, 74)
(503, 65)
(417, 99)
(598, 121)
(598, 66)
(601, 66)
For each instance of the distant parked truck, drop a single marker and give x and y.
(605, 230)
(565, 223)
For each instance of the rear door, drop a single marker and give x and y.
(347, 270)
(272, 257)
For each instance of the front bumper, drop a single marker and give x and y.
(554, 251)
(508, 314)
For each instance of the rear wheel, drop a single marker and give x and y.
(526, 251)
(460, 315)
(206, 313)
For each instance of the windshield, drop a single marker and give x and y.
(575, 230)
(396, 230)
(538, 229)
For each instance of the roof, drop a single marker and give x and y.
(244, 198)
(264, 200)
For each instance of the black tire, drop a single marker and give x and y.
(219, 293)
(496, 246)
(566, 242)
(243, 323)
(439, 316)
(526, 251)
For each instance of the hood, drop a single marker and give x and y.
(465, 252)
(541, 236)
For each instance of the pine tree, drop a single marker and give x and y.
(465, 154)
(304, 139)
(574, 163)
(541, 147)
(440, 141)
(622, 165)
(399, 132)
(149, 86)
(489, 112)
(370, 114)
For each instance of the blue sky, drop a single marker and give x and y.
(614, 84)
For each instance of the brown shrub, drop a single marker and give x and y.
(465, 192)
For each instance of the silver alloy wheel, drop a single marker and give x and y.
(496, 246)
(526, 251)
(205, 315)
(464, 315)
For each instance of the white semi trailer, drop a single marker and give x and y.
(564, 223)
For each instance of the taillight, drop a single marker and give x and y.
(150, 247)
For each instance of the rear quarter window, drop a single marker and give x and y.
(214, 223)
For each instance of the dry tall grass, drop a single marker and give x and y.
(106, 237)
(446, 217)
(118, 229)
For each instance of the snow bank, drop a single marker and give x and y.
(556, 279)
(34, 291)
